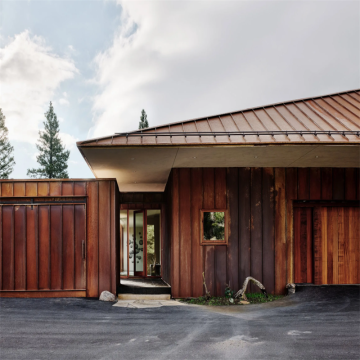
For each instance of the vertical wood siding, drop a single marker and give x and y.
(41, 246)
(260, 224)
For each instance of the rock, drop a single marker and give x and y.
(107, 296)
(243, 302)
(291, 288)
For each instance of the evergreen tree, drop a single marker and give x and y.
(143, 124)
(6, 150)
(53, 157)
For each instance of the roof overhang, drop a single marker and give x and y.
(147, 168)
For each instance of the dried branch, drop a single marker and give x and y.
(241, 292)
(207, 293)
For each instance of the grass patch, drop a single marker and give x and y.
(253, 298)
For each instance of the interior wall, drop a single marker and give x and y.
(259, 203)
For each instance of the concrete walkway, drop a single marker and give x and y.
(144, 304)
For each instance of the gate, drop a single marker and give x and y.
(43, 249)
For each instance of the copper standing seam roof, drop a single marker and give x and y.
(330, 119)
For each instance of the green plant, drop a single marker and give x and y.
(229, 294)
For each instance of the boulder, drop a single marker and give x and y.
(107, 296)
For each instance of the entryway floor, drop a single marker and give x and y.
(144, 286)
(144, 283)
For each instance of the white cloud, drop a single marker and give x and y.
(68, 140)
(30, 72)
(63, 101)
(181, 60)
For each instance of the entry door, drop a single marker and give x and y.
(139, 243)
(327, 245)
(336, 245)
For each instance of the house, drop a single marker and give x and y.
(272, 192)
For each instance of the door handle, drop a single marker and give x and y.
(83, 249)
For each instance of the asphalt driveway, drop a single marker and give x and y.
(320, 323)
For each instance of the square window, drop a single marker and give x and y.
(213, 227)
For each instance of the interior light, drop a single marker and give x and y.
(255, 157)
(194, 157)
(316, 156)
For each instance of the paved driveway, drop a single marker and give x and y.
(317, 324)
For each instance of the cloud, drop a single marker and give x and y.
(63, 101)
(180, 60)
(30, 72)
(68, 140)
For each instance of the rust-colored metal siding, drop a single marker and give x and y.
(260, 206)
(65, 243)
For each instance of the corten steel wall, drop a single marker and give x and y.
(141, 201)
(41, 247)
(260, 206)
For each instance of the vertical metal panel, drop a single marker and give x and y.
(303, 245)
(56, 250)
(209, 264)
(55, 188)
(256, 264)
(20, 247)
(209, 251)
(232, 185)
(92, 250)
(1, 245)
(32, 248)
(8, 271)
(338, 184)
(43, 188)
(80, 246)
(315, 183)
(175, 235)
(244, 223)
(68, 247)
(67, 188)
(7, 189)
(19, 189)
(303, 184)
(220, 251)
(44, 247)
(185, 233)
(350, 184)
(113, 238)
(79, 188)
(326, 183)
(280, 236)
(268, 234)
(196, 249)
(220, 268)
(291, 194)
(31, 188)
(104, 236)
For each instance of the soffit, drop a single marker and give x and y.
(147, 169)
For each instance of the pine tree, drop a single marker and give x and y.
(6, 150)
(143, 124)
(53, 157)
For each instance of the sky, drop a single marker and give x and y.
(101, 62)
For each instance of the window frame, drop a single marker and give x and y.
(213, 242)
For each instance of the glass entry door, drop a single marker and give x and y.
(137, 250)
(140, 243)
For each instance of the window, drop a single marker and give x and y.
(213, 227)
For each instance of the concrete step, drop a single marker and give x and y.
(144, 296)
